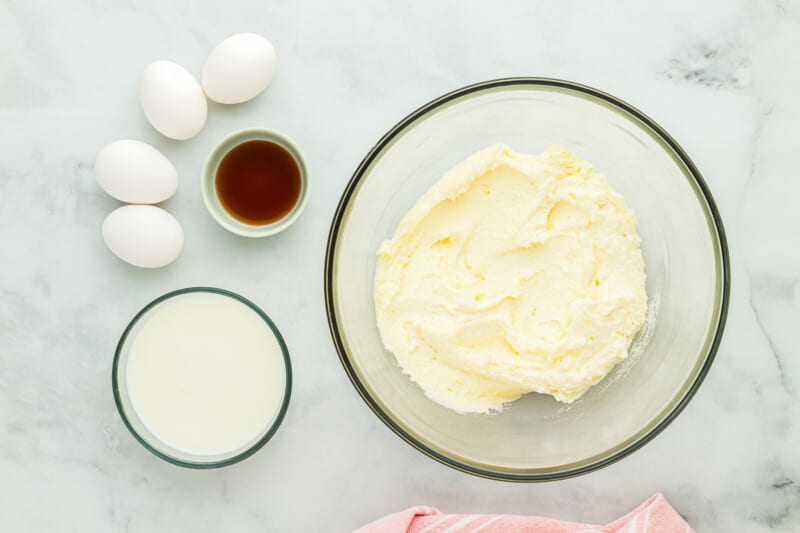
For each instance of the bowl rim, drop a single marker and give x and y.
(274, 424)
(624, 108)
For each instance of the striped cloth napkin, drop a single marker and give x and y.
(655, 515)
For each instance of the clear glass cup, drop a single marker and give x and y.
(151, 441)
(537, 438)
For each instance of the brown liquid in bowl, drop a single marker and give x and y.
(258, 182)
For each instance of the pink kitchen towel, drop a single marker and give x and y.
(655, 515)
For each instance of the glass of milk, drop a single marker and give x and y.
(202, 377)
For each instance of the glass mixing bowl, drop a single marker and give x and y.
(537, 438)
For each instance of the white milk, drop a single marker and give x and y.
(205, 374)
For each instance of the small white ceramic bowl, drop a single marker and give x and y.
(208, 183)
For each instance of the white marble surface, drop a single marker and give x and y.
(721, 76)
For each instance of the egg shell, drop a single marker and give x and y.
(136, 173)
(143, 235)
(172, 100)
(239, 68)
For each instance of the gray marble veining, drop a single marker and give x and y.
(721, 76)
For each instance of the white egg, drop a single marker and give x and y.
(143, 235)
(136, 173)
(172, 100)
(239, 68)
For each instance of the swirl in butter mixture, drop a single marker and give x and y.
(513, 274)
